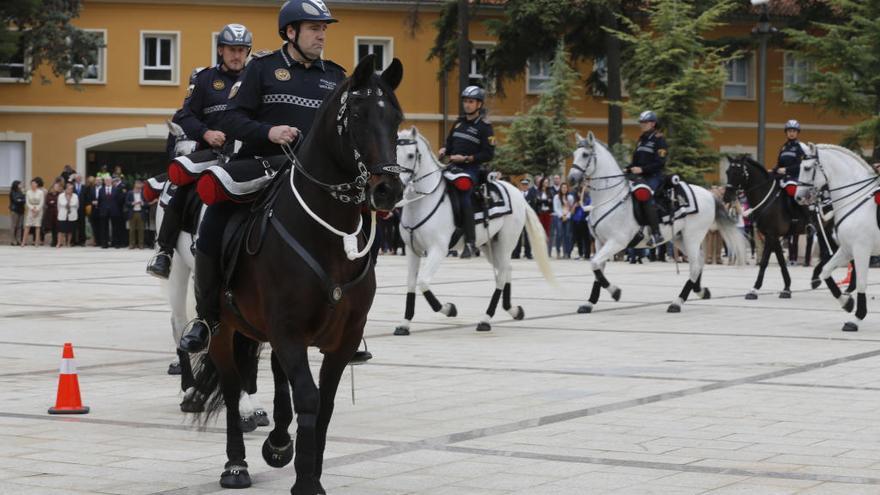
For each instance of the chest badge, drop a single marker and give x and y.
(234, 90)
(218, 84)
(282, 74)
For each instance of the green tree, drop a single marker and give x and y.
(672, 70)
(42, 30)
(538, 141)
(845, 53)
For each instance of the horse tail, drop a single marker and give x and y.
(209, 391)
(734, 239)
(538, 240)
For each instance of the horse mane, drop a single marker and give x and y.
(846, 151)
(427, 144)
(756, 164)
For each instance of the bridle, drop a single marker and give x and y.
(592, 161)
(737, 165)
(411, 171)
(864, 183)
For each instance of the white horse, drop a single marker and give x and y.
(427, 227)
(852, 184)
(180, 298)
(614, 225)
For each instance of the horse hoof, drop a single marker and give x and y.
(848, 306)
(235, 477)
(585, 308)
(850, 327)
(451, 310)
(751, 296)
(616, 294)
(484, 326)
(310, 487)
(815, 283)
(520, 314)
(174, 369)
(188, 406)
(262, 417)
(277, 457)
(706, 294)
(401, 331)
(786, 294)
(673, 308)
(248, 424)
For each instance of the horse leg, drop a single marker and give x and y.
(278, 448)
(861, 261)
(841, 256)
(260, 414)
(484, 325)
(695, 263)
(432, 264)
(413, 261)
(294, 359)
(762, 267)
(786, 278)
(331, 373)
(852, 281)
(597, 263)
(222, 351)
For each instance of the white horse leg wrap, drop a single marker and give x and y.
(446, 309)
(843, 299)
(245, 407)
(514, 311)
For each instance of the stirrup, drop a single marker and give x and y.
(212, 329)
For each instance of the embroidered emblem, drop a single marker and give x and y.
(661, 152)
(282, 74)
(218, 84)
(234, 90)
(491, 140)
(325, 84)
(189, 90)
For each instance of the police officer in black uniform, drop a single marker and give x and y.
(470, 144)
(647, 164)
(200, 116)
(273, 103)
(791, 154)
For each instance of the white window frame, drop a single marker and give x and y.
(489, 86)
(602, 61)
(543, 77)
(27, 139)
(102, 62)
(749, 82)
(175, 58)
(214, 37)
(26, 65)
(791, 62)
(388, 43)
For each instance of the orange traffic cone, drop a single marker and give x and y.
(848, 277)
(68, 401)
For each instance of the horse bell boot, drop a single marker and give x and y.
(207, 289)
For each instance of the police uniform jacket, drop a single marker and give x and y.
(472, 138)
(276, 90)
(790, 156)
(206, 100)
(650, 154)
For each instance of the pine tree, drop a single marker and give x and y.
(845, 54)
(672, 70)
(538, 141)
(42, 30)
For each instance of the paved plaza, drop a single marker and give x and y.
(728, 397)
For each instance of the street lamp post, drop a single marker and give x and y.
(762, 30)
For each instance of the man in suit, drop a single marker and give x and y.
(530, 193)
(105, 203)
(117, 213)
(79, 231)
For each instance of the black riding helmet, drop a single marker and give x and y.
(294, 12)
(235, 35)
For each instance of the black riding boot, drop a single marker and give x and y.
(470, 235)
(208, 284)
(650, 212)
(167, 238)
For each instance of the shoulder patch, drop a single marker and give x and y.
(491, 140)
(189, 90)
(329, 64)
(261, 53)
(661, 152)
(196, 72)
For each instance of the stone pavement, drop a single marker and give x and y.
(730, 396)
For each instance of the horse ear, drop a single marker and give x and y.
(577, 137)
(591, 137)
(363, 71)
(175, 129)
(812, 148)
(414, 131)
(393, 74)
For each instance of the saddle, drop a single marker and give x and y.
(241, 181)
(489, 201)
(674, 200)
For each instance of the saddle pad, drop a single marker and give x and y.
(499, 202)
(239, 180)
(186, 169)
(687, 203)
(155, 188)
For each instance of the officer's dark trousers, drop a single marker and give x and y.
(467, 215)
(173, 217)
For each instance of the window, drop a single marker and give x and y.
(479, 55)
(538, 73)
(12, 162)
(739, 79)
(14, 68)
(794, 71)
(382, 48)
(92, 70)
(600, 69)
(159, 56)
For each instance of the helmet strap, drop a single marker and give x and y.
(295, 44)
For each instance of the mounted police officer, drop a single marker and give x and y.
(200, 117)
(273, 103)
(470, 144)
(647, 164)
(790, 155)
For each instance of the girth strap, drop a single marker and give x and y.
(428, 217)
(333, 290)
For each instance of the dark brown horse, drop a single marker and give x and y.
(301, 288)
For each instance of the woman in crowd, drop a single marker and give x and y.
(35, 200)
(50, 214)
(562, 209)
(581, 225)
(545, 208)
(17, 202)
(68, 207)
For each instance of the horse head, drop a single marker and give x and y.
(367, 117)
(809, 181)
(409, 154)
(584, 160)
(182, 144)
(737, 176)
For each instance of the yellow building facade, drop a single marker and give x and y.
(117, 116)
